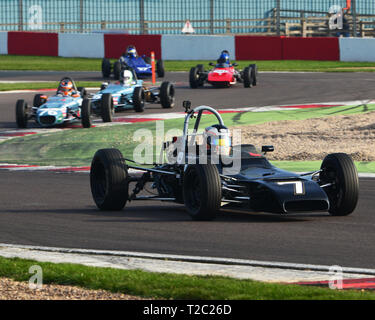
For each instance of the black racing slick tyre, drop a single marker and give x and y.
(109, 180)
(117, 70)
(21, 113)
(254, 70)
(339, 170)
(38, 100)
(83, 92)
(166, 95)
(160, 68)
(248, 77)
(194, 77)
(139, 99)
(202, 191)
(107, 107)
(86, 113)
(106, 68)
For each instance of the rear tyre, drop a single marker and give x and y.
(139, 99)
(109, 180)
(106, 68)
(160, 68)
(194, 77)
(21, 113)
(86, 113)
(339, 169)
(167, 95)
(248, 77)
(117, 70)
(202, 191)
(38, 100)
(107, 108)
(254, 73)
(83, 92)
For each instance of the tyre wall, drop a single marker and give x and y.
(187, 47)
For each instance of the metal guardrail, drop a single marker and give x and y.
(275, 20)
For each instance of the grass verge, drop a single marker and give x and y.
(170, 286)
(13, 62)
(77, 147)
(44, 85)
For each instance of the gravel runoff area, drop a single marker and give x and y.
(313, 139)
(14, 290)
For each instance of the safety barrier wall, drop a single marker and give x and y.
(81, 45)
(33, 43)
(187, 47)
(3, 42)
(357, 49)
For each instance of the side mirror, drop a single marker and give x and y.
(211, 64)
(266, 149)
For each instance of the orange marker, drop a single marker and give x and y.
(153, 66)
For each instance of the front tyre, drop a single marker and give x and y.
(166, 95)
(202, 191)
(107, 107)
(21, 113)
(254, 70)
(109, 180)
(86, 113)
(339, 170)
(139, 99)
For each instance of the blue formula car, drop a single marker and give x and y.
(128, 93)
(130, 59)
(62, 108)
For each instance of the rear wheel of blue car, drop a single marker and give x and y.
(109, 179)
(21, 113)
(202, 191)
(160, 68)
(107, 107)
(339, 178)
(106, 68)
(86, 113)
(166, 95)
(117, 70)
(139, 99)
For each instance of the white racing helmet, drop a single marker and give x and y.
(126, 77)
(218, 139)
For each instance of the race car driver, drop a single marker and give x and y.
(66, 88)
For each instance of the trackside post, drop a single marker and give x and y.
(153, 66)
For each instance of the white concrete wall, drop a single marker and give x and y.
(81, 45)
(3, 42)
(357, 49)
(196, 47)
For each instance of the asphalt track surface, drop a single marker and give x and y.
(56, 209)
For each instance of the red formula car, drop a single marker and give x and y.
(224, 74)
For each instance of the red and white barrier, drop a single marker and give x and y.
(188, 47)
